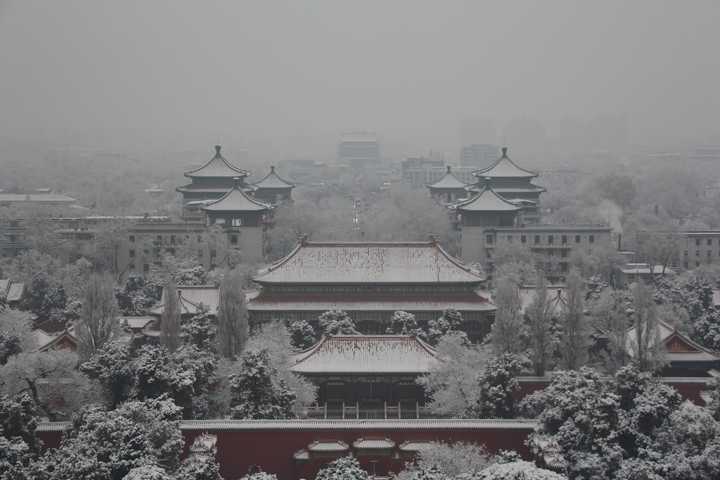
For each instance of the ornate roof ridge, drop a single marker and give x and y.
(487, 171)
(273, 174)
(487, 188)
(215, 204)
(235, 171)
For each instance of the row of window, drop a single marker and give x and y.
(159, 239)
(537, 239)
(708, 241)
(697, 253)
(233, 240)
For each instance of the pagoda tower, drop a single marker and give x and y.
(273, 189)
(448, 189)
(210, 182)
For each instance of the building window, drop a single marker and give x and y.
(697, 253)
(219, 221)
(685, 253)
(233, 239)
(237, 222)
(199, 238)
(172, 239)
(146, 267)
(171, 251)
(563, 253)
(537, 239)
(523, 239)
(697, 264)
(563, 239)
(697, 242)
(709, 241)
(489, 239)
(591, 239)
(213, 253)
(131, 252)
(577, 238)
(158, 239)
(509, 238)
(131, 238)
(132, 267)
(709, 253)
(551, 239)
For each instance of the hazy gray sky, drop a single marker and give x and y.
(299, 72)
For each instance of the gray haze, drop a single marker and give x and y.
(292, 75)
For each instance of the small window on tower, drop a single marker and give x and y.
(237, 222)
(233, 239)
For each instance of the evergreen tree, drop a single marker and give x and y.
(233, 327)
(98, 322)
(18, 442)
(302, 334)
(644, 343)
(254, 394)
(574, 337)
(170, 318)
(337, 322)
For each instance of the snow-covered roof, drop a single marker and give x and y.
(48, 341)
(235, 200)
(328, 446)
(375, 354)
(679, 348)
(368, 262)
(415, 446)
(448, 181)
(36, 198)
(15, 292)
(487, 201)
(192, 298)
(645, 269)
(136, 322)
(504, 168)
(217, 166)
(273, 180)
(373, 444)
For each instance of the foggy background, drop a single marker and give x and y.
(285, 78)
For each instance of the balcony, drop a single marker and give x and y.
(344, 411)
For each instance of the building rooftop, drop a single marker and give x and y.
(15, 292)
(504, 168)
(487, 201)
(448, 181)
(193, 299)
(679, 347)
(40, 198)
(551, 228)
(273, 180)
(368, 262)
(216, 167)
(235, 200)
(367, 354)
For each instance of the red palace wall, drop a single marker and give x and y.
(272, 444)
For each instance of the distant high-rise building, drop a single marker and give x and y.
(357, 149)
(478, 155)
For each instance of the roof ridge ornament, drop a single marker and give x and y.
(217, 150)
(449, 169)
(504, 152)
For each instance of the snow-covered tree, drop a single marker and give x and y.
(506, 333)
(344, 468)
(403, 323)
(453, 385)
(499, 387)
(254, 394)
(450, 321)
(593, 424)
(111, 367)
(302, 334)
(645, 347)
(98, 320)
(259, 476)
(609, 316)
(170, 318)
(233, 327)
(574, 337)
(200, 331)
(541, 338)
(15, 333)
(200, 463)
(445, 461)
(337, 322)
(147, 472)
(18, 442)
(110, 444)
(50, 378)
(518, 470)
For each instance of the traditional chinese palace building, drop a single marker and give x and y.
(370, 281)
(367, 376)
(273, 189)
(210, 182)
(448, 189)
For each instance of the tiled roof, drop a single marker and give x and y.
(235, 200)
(136, 322)
(273, 180)
(367, 354)
(448, 181)
(217, 167)
(191, 298)
(339, 425)
(668, 333)
(328, 446)
(504, 168)
(373, 443)
(487, 201)
(368, 262)
(35, 198)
